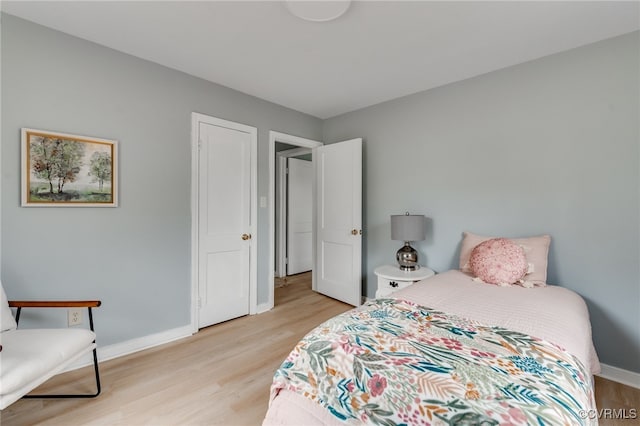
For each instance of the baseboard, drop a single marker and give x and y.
(116, 350)
(263, 308)
(619, 375)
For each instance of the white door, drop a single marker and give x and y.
(226, 219)
(299, 216)
(338, 221)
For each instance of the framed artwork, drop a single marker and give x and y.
(62, 170)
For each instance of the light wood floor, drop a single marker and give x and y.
(219, 376)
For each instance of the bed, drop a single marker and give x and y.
(446, 350)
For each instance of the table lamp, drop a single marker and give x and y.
(408, 228)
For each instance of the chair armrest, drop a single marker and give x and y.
(54, 303)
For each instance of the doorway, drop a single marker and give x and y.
(299, 218)
(293, 210)
(281, 147)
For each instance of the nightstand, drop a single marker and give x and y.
(392, 278)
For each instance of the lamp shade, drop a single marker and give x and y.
(408, 227)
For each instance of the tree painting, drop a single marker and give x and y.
(64, 169)
(56, 160)
(100, 168)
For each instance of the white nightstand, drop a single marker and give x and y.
(392, 278)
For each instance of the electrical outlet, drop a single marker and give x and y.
(74, 316)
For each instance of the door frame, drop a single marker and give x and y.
(196, 119)
(281, 197)
(291, 140)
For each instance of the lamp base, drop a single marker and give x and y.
(407, 258)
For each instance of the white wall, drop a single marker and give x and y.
(549, 146)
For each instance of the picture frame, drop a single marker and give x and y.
(65, 170)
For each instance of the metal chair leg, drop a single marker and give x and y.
(95, 367)
(91, 395)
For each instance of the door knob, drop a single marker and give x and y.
(246, 237)
(354, 232)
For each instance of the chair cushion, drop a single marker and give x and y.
(7, 322)
(29, 355)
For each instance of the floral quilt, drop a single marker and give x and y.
(392, 362)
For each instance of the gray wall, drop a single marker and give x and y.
(549, 146)
(136, 257)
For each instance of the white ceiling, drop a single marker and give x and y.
(377, 51)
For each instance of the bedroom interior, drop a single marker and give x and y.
(544, 143)
(242, 380)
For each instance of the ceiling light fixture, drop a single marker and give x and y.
(318, 11)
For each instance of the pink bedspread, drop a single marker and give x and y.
(551, 313)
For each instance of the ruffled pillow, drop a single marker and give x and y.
(535, 248)
(499, 261)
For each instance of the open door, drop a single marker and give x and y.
(338, 221)
(299, 216)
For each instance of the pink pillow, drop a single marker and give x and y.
(499, 261)
(536, 249)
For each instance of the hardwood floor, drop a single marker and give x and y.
(219, 376)
(624, 400)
